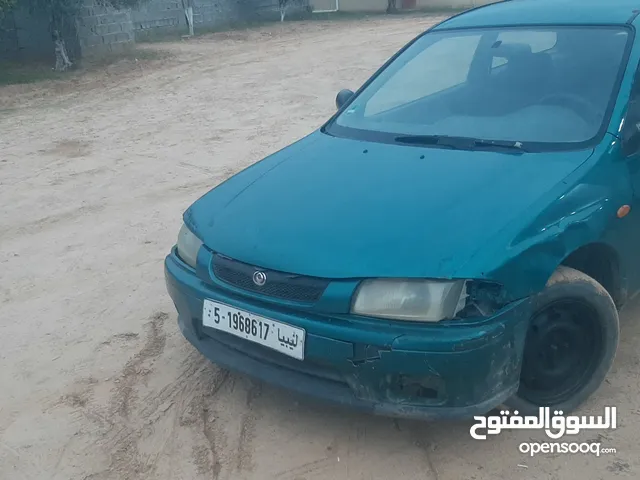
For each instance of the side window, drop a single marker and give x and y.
(635, 89)
(631, 129)
(433, 70)
(538, 41)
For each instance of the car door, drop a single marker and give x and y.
(631, 149)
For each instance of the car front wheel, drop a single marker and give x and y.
(570, 344)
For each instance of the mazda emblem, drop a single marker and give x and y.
(259, 278)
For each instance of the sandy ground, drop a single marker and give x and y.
(96, 382)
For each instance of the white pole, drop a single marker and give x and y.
(329, 11)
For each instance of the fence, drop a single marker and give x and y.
(99, 30)
(381, 5)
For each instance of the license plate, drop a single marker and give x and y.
(279, 336)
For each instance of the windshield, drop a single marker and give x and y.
(541, 86)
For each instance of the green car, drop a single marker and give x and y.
(459, 235)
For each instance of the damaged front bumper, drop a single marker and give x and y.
(424, 372)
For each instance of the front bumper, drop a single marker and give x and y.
(388, 368)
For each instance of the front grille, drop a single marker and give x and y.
(286, 286)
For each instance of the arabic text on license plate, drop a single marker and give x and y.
(273, 334)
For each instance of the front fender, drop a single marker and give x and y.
(535, 254)
(585, 212)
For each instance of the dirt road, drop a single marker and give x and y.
(96, 382)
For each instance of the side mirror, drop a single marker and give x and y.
(343, 97)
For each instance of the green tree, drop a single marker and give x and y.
(5, 5)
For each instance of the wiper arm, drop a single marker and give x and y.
(460, 143)
(455, 143)
(508, 144)
(423, 140)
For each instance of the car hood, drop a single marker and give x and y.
(339, 208)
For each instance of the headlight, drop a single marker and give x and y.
(188, 246)
(413, 300)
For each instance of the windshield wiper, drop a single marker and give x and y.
(508, 144)
(460, 143)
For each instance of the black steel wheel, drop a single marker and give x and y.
(570, 344)
(562, 351)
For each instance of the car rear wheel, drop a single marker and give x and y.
(570, 344)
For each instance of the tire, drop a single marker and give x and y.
(594, 315)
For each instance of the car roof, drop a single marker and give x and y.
(547, 12)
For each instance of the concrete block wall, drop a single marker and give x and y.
(215, 13)
(24, 34)
(98, 30)
(158, 18)
(268, 10)
(453, 4)
(364, 5)
(381, 5)
(9, 46)
(103, 30)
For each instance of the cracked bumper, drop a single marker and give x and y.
(425, 372)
